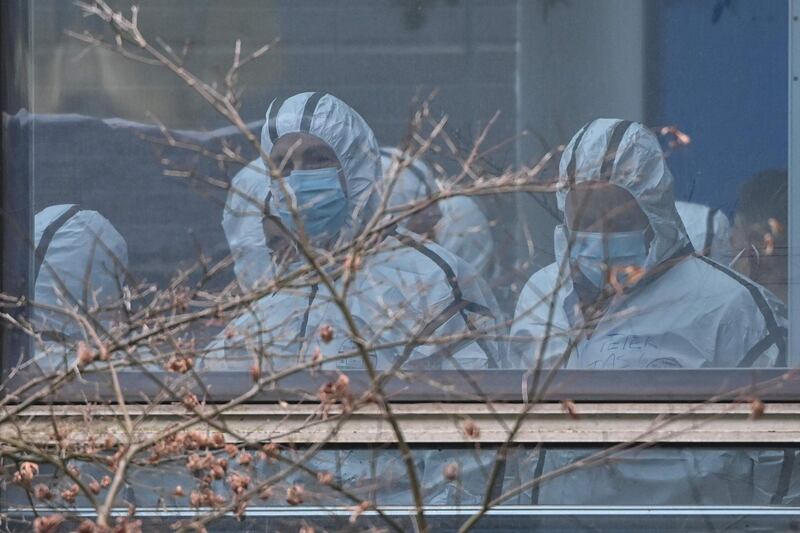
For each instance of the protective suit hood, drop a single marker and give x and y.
(242, 222)
(628, 155)
(80, 262)
(350, 137)
(462, 228)
(415, 183)
(708, 229)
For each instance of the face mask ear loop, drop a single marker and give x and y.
(343, 183)
(649, 235)
(757, 254)
(755, 262)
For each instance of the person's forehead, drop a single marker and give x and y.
(300, 141)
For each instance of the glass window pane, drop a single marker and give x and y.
(464, 186)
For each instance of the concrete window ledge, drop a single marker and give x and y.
(441, 423)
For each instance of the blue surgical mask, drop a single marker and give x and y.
(321, 202)
(594, 254)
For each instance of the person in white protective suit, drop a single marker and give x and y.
(404, 293)
(330, 165)
(651, 476)
(80, 264)
(627, 291)
(709, 230)
(457, 223)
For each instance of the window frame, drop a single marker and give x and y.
(606, 413)
(17, 194)
(794, 177)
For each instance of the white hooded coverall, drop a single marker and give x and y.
(80, 264)
(435, 293)
(686, 312)
(463, 229)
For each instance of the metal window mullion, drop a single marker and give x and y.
(794, 181)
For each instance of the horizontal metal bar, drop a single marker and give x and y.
(656, 385)
(447, 510)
